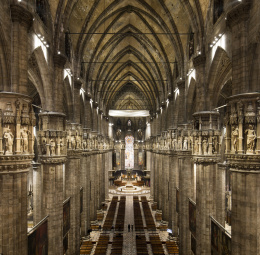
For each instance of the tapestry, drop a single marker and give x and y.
(192, 218)
(220, 240)
(193, 244)
(81, 200)
(177, 200)
(65, 244)
(129, 152)
(38, 239)
(66, 217)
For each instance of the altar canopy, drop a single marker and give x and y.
(129, 152)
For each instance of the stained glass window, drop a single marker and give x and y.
(129, 152)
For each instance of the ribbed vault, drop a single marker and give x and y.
(129, 50)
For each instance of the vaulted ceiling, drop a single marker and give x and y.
(130, 49)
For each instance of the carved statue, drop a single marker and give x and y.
(84, 144)
(234, 136)
(251, 136)
(179, 143)
(61, 146)
(73, 143)
(78, 142)
(205, 146)
(43, 146)
(214, 144)
(8, 140)
(185, 143)
(196, 145)
(174, 144)
(24, 139)
(52, 147)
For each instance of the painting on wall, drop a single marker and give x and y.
(226, 244)
(65, 244)
(215, 236)
(66, 217)
(192, 218)
(220, 240)
(38, 239)
(81, 200)
(193, 244)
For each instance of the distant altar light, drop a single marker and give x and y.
(128, 113)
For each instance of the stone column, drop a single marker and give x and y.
(16, 154)
(167, 188)
(174, 183)
(199, 65)
(185, 192)
(95, 117)
(151, 172)
(37, 193)
(59, 62)
(122, 154)
(52, 155)
(245, 168)
(219, 194)
(181, 106)
(22, 21)
(93, 176)
(85, 183)
(206, 158)
(72, 182)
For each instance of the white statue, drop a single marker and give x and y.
(24, 139)
(84, 144)
(251, 136)
(73, 143)
(234, 135)
(196, 145)
(185, 143)
(205, 146)
(52, 147)
(8, 140)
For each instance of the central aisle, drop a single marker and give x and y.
(129, 245)
(129, 228)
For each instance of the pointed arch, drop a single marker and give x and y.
(220, 72)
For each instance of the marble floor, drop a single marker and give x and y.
(129, 237)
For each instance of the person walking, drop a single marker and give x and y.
(128, 227)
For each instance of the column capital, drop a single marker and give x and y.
(199, 61)
(21, 15)
(77, 84)
(59, 60)
(238, 14)
(181, 84)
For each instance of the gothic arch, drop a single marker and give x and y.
(220, 72)
(39, 75)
